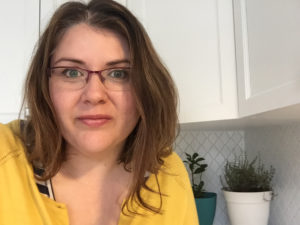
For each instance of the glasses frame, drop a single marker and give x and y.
(89, 72)
(98, 72)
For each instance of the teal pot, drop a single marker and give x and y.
(206, 208)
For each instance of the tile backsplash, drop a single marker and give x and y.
(215, 147)
(280, 146)
(277, 145)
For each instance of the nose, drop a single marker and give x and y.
(94, 92)
(98, 73)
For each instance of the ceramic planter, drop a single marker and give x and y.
(206, 208)
(248, 208)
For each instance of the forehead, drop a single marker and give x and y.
(91, 45)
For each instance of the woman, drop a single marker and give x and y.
(96, 146)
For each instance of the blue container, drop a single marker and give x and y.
(206, 208)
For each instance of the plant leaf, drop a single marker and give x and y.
(195, 155)
(199, 159)
(198, 170)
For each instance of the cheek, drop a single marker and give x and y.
(53, 96)
(126, 105)
(60, 100)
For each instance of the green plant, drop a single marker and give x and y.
(195, 166)
(243, 175)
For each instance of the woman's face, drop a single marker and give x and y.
(93, 120)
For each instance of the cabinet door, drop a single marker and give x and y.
(268, 53)
(195, 40)
(19, 20)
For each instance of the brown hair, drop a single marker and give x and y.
(153, 88)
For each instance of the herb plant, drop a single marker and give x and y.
(243, 175)
(195, 166)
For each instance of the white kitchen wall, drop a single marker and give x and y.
(215, 146)
(280, 146)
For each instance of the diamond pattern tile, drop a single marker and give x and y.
(280, 146)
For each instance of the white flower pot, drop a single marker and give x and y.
(248, 208)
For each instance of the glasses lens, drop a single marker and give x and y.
(69, 78)
(116, 79)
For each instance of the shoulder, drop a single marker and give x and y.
(176, 187)
(173, 162)
(9, 139)
(174, 168)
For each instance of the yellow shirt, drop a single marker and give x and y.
(22, 203)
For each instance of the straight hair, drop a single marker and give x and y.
(153, 89)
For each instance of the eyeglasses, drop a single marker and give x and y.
(74, 78)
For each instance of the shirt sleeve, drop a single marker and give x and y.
(189, 210)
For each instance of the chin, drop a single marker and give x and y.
(94, 149)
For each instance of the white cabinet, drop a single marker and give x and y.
(268, 54)
(19, 22)
(195, 39)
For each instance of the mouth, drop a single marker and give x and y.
(94, 120)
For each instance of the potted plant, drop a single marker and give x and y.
(248, 191)
(205, 201)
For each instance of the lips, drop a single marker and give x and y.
(94, 120)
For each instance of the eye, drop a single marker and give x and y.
(72, 72)
(119, 74)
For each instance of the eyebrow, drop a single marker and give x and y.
(115, 62)
(69, 60)
(110, 63)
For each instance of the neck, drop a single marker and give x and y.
(95, 168)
